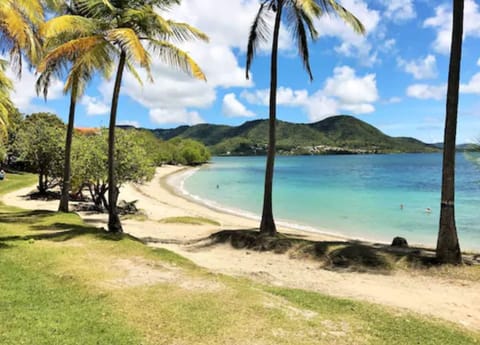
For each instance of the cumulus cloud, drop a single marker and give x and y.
(424, 91)
(175, 116)
(353, 44)
(24, 91)
(343, 91)
(473, 85)
(442, 23)
(129, 123)
(94, 106)
(232, 107)
(399, 10)
(425, 68)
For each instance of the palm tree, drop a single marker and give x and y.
(133, 24)
(297, 15)
(448, 248)
(70, 44)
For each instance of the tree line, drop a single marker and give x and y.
(36, 145)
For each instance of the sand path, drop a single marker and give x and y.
(453, 300)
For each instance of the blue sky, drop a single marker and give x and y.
(394, 77)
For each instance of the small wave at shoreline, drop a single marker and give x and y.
(177, 183)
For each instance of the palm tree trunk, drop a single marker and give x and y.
(448, 248)
(63, 207)
(114, 224)
(267, 225)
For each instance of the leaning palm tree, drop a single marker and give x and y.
(71, 48)
(135, 29)
(448, 248)
(298, 16)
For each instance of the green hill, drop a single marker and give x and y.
(338, 134)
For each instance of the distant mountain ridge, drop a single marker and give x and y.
(340, 134)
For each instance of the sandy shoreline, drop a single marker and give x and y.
(454, 300)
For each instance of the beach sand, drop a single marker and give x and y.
(450, 299)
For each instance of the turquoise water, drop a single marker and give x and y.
(356, 196)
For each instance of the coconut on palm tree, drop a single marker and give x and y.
(134, 30)
(299, 16)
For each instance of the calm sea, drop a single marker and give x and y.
(358, 196)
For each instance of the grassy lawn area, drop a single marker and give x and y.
(62, 282)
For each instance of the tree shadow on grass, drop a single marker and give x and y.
(62, 232)
(27, 217)
(345, 256)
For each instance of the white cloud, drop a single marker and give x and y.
(353, 44)
(420, 68)
(94, 106)
(175, 116)
(478, 62)
(349, 88)
(424, 91)
(442, 23)
(399, 10)
(232, 107)
(24, 91)
(135, 124)
(343, 91)
(473, 86)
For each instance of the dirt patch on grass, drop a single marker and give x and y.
(136, 272)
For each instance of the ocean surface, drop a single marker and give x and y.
(358, 196)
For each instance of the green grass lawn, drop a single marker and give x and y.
(62, 282)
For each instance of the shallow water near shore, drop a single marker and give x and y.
(359, 196)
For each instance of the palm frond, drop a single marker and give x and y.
(177, 58)
(343, 13)
(182, 32)
(128, 40)
(68, 24)
(259, 33)
(299, 34)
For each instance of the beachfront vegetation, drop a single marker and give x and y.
(66, 282)
(90, 164)
(36, 145)
(334, 135)
(300, 20)
(39, 145)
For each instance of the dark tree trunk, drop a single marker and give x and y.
(41, 185)
(63, 207)
(114, 224)
(267, 225)
(448, 248)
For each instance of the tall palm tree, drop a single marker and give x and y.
(298, 16)
(134, 24)
(71, 47)
(448, 248)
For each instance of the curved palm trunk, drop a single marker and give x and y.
(448, 248)
(267, 225)
(63, 207)
(114, 224)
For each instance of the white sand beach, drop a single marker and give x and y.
(450, 299)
